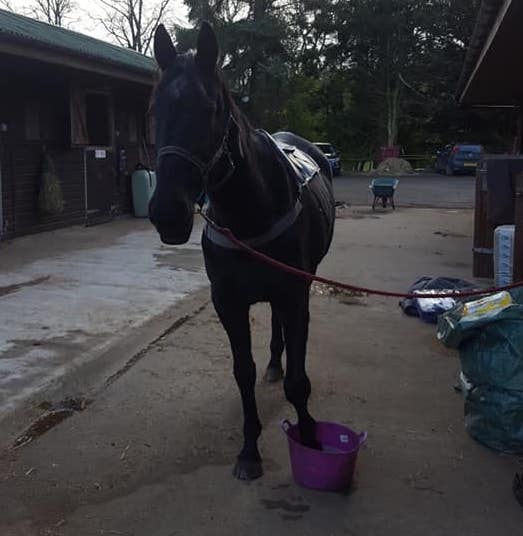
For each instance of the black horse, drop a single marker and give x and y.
(205, 144)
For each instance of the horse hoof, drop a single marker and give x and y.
(273, 375)
(247, 470)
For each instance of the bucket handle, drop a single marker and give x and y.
(285, 425)
(362, 438)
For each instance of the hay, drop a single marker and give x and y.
(394, 165)
(50, 197)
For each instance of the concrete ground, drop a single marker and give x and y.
(77, 296)
(152, 451)
(68, 297)
(418, 190)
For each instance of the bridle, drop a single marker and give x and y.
(205, 168)
(212, 231)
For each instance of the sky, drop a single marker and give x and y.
(87, 13)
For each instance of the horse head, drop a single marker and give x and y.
(192, 119)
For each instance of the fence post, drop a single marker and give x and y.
(518, 221)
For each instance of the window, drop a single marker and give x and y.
(78, 118)
(32, 120)
(91, 118)
(326, 148)
(97, 112)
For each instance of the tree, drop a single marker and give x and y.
(360, 73)
(379, 40)
(255, 57)
(57, 12)
(403, 58)
(53, 11)
(132, 22)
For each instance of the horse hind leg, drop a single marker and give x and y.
(274, 372)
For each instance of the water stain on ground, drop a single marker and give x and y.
(10, 289)
(346, 213)
(281, 486)
(61, 345)
(450, 234)
(180, 259)
(55, 414)
(286, 506)
(456, 264)
(353, 301)
(290, 517)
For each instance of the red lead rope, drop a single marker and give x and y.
(363, 290)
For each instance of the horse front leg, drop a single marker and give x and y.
(235, 320)
(274, 372)
(297, 385)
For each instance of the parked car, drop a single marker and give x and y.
(332, 156)
(458, 158)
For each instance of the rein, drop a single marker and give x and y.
(307, 276)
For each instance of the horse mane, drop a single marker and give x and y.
(244, 125)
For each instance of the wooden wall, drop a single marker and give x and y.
(21, 158)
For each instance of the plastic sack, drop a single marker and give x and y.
(427, 308)
(491, 353)
(503, 255)
(466, 319)
(494, 417)
(487, 307)
(430, 308)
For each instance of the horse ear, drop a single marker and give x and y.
(207, 50)
(164, 49)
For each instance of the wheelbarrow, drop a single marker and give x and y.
(383, 190)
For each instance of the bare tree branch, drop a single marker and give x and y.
(132, 23)
(53, 11)
(6, 4)
(114, 6)
(153, 23)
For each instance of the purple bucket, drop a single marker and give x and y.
(330, 468)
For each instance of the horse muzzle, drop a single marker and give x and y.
(172, 239)
(175, 228)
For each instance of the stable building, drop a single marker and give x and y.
(492, 77)
(74, 124)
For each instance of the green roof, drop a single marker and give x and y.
(18, 28)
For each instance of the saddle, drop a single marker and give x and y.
(303, 167)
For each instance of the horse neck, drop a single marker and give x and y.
(258, 193)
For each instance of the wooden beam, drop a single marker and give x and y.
(519, 133)
(518, 221)
(501, 13)
(65, 59)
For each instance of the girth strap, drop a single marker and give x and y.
(279, 227)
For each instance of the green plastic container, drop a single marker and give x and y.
(143, 185)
